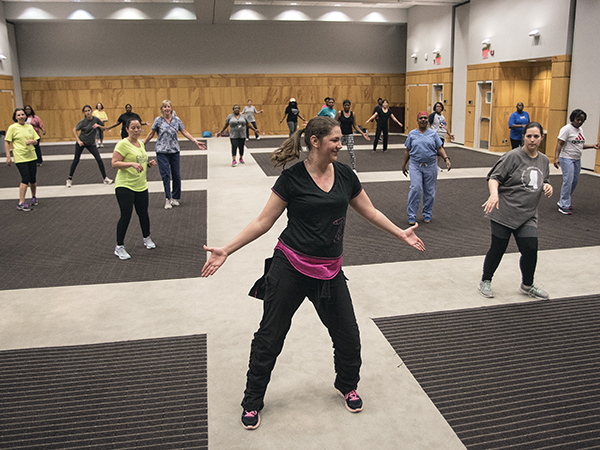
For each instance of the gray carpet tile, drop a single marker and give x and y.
(520, 376)
(52, 173)
(459, 227)
(369, 161)
(144, 394)
(70, 241)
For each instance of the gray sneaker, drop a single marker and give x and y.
(534, 292)
(485, 289)
(121, 252)
(148, 243)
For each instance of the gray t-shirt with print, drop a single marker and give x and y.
(237, 126)
(521, 180)
(88, 132)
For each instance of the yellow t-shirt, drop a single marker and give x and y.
(130, 178)
(100, 115)
(18, 135)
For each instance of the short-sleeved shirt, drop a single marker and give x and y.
(437, 122)
(100, 115)
(130, 178)
(36, 123)
(237, 126)
(521, 179)
(167, 142)
(123, 119)
(346, 123)
(516, 134)
(574, 141)
(423, 146)
(316, 219)
(327, 112)
(87, 131)
(383, 117)
(292, 114)
(19, 134)
(249, 112)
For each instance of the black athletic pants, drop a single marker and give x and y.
(127, 200)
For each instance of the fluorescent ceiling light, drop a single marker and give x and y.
(335, 16)
(179, 13)
(80, 14)
(374, 17)
(36, 14)
(247, 14)
(129, 14)
(292, 15)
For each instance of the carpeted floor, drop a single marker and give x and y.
(274, 142)
(70, 241)
(519, 376)
(459, 227)
(69, 149)
(369, 161)
(192, 167)
(148, 394)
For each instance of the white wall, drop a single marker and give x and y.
(5, 66)
(429, 27)
(508, 23)
(459, 85)
(585, 67)
(164, 48)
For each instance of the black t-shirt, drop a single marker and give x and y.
(292, 114)
(383, 117)
(316, 219)
(123, 119)
(346, 122)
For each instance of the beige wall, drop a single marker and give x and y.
(203, 101)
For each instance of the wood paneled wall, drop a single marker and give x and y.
(429, 78)
(7, 102)
(203, 101)
(543, 87)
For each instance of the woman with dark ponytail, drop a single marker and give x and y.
(307, 259)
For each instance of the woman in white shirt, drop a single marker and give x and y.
(567, 157)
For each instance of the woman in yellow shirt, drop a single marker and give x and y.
(23, 138)
(131, 186)
(100, 114)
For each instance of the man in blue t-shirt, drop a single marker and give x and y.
(328, 110)
(516, 123)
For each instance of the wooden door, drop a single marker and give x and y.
(417, 101)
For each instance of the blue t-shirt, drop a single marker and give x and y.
(166, 141)
(516, 134)
(327, 112)
(423, 146)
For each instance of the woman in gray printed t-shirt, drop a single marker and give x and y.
(237, 123)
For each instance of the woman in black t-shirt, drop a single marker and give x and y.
(382, 116)
(307, 259)
(292, 113)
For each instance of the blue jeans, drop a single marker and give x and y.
(168, 165)
(423, 179)
(570, 172)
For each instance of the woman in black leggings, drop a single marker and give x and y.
(382, 115)
(131, 186)
(87, 139)
(516, 184)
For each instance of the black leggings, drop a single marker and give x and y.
(94, 151)
(527, 241)
(381, 129)
(286, 289)
(28, 171)
(127, 200)
(235, 144)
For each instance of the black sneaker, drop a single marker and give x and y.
(250, 420)
(353, 402)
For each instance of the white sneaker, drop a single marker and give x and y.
(175, 202)
(69, 182)
(148, 243)
(121, 252)
(168, 203)
(108, 181)
(258, 138)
